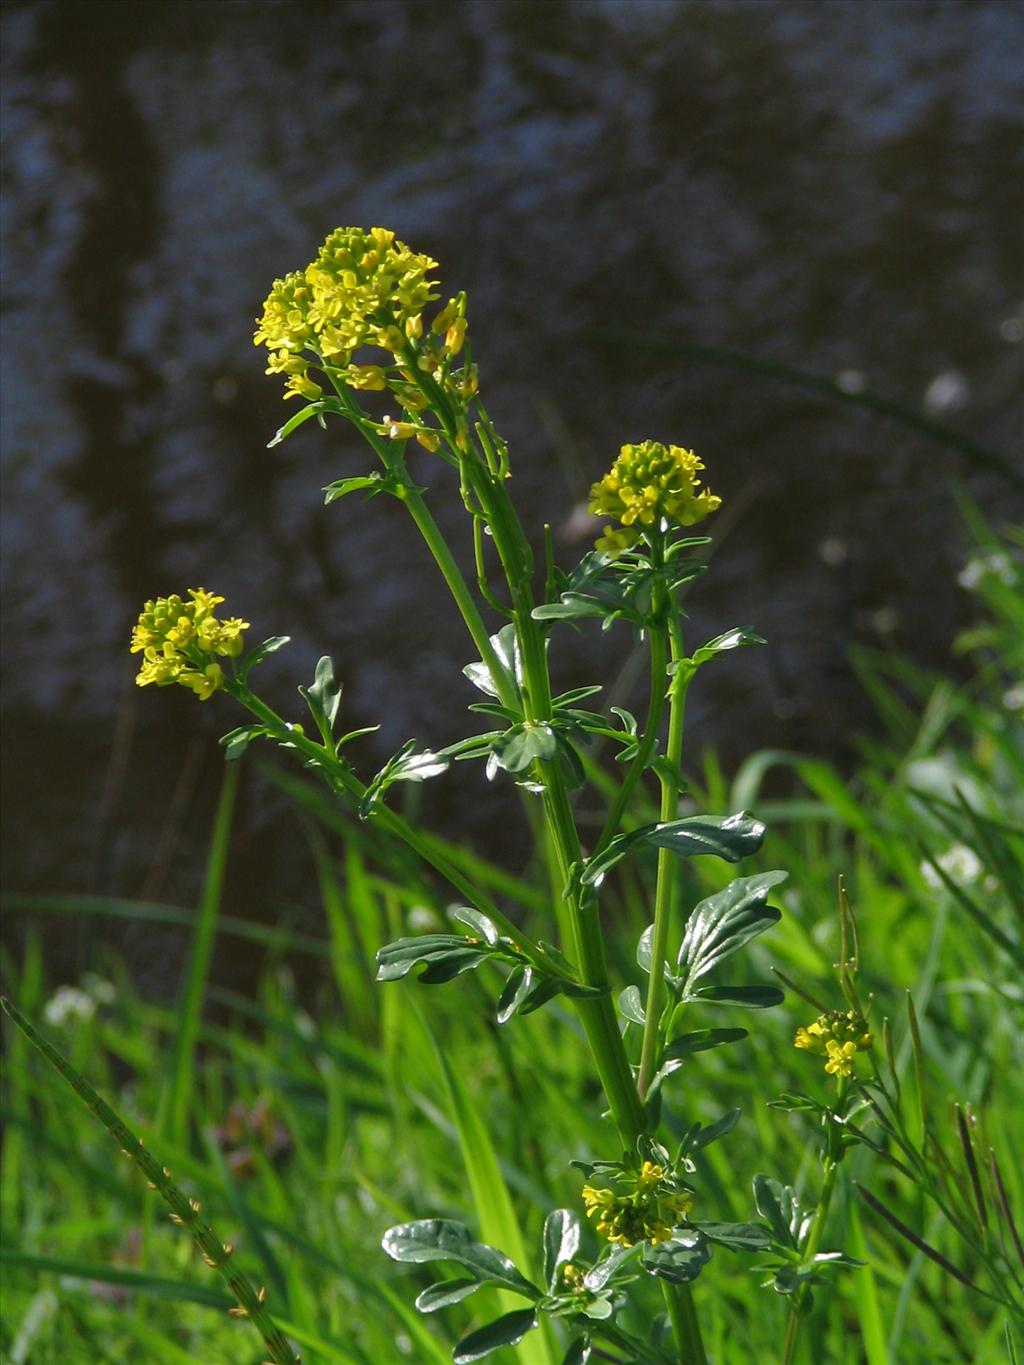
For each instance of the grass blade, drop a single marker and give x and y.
(495, 1213)
(176, 1101)
(184, 1211)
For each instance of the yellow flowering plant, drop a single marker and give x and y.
(362, 335)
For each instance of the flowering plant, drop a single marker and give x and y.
(358, 321)
(363, 324)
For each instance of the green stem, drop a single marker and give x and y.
(408, 493)
(833, 1155)
(810, 1251)
(597, 1014)
(459, 589)
(683, 1316)
(655, 706)
(667, 862)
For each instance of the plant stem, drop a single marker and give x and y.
(683, 1316)
(655, 706)
(408, 493)
(597, 1014)
(667, 862)
(833, 1155)
(810, 1251)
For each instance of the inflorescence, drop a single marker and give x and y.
(648, 1212)
(180, 640)
(838, 1036)
(649, 484)
(366, 289)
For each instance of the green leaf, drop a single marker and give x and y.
(776, 1203)
(513, 993)
(732, 639)
(578, 1352)
(573, 773)
(506, 648)
(576, 606)
(796, 1102)
(724, 922)
(631, 1006)
(680, 1260)
(704, 1137)
(405, 766)
(446, 1293)
(540, 992)
(505, 1331)
(476, 919)
(376, 481)
(700, 1040)
(323, 697)
(578, 694)
(257, 655)
(517, 747)
(237, 741)
(599, 1309)
(561, 1243)
(790, 1278)
(599, 1275)
(730, 837)
(441, 1239)
(643, 949)
(303, 415)
(736, 1236)
(446, 956)
(838, 1258)
(744, 997)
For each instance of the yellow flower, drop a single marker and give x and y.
(837, 1036)
(363, 289)
(178, 639)
(649, 483)
(647, 1213)
(650, 1175)
(573, 1277)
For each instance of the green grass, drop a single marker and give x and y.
(308, 1121)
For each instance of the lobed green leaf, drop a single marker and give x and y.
(442, 1239)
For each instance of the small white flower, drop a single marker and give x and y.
(68, 1005)
(994, 563)
(422, 920)
(961, 865)
(102, 991)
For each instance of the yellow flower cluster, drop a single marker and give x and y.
(363, 289)
(649, 483)
(178, 640)
(838, 1036)
(646, 1214)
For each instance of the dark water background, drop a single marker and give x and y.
(838, 187)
